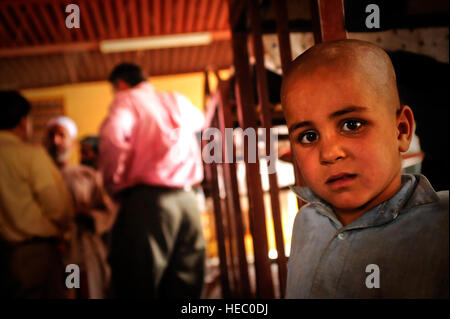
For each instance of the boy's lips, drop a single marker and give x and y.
(341, 179)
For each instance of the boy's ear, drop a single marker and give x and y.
(405, 127)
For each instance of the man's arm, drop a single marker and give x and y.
(116, 135)
(50, 190)
(103, 209)
(191, 115)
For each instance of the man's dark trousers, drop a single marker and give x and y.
(158, 248)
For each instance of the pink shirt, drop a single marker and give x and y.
(148, 138)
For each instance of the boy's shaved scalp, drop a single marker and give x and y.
(367, 60)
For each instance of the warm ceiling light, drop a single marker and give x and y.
(156, 42)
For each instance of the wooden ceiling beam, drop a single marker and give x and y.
(89, 64)
(186, 59)
(179, 14)
(145, 22)
(166, 59)
(103, 66)
(195, 57)
(189, 26)
(223, 17)
(62, 29)
(121, 14)
(84, 70)
(146, 66)
(43, 34)
(110, 19)
(47, 76)
(21, 71)
(108, 63)
(174, 63)
(223, 57)
(31, 70)
(152, 62)
(168, 16)
(213, 15)
(205, 54)
(201, 15)
(99, 23)
(4, 35)
(179, 62)
(22, 2)
(70, 68)
(25, 25)
(18, 32)
(132, 13)
(48, 49)
(87, 21)
(59, 64)
(56, 36)
(140, 60)
(156, 13)
(77, 46)
(8, 78)
(94, 64)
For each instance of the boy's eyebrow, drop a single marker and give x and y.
(344, 111)
(295, 126)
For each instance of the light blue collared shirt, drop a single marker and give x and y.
(406, 238)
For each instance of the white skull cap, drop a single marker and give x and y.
(65, 122)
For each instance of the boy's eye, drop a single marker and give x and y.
(307, 137)
(352, 125)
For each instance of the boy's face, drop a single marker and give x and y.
(344, 137)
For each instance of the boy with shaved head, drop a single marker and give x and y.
(367, 231)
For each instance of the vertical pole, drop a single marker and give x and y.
(286, 57)
(284, 42)
(266, 120)
(211, 174)
(328, 20)
(247, 119)
(232, 188)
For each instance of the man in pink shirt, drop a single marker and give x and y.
(150, 160)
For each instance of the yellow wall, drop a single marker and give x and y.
(87, 104)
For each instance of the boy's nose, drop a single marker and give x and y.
(331, 150)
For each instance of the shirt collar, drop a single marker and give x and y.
(146, 85)
(8, 136)
(416, 190)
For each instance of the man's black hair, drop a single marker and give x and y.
(128, 72)
(13, 108)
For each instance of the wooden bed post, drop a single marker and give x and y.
(266, 121)
(328, 20)
(247, 119)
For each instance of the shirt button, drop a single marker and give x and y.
(341, 236)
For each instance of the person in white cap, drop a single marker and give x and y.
(94, 210)
(61, 132)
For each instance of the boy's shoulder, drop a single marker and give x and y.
(443, 197)
(424, 194)
(441, 205)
